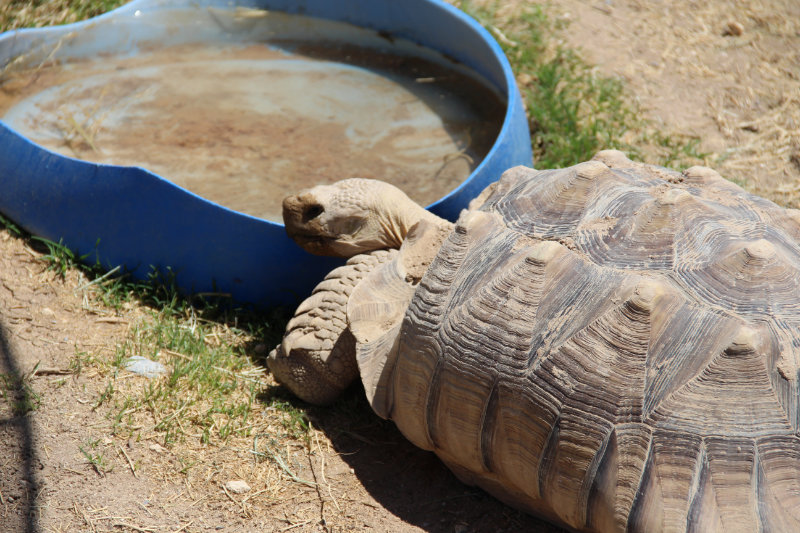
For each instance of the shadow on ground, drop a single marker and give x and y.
(409, 482)
(19, 484)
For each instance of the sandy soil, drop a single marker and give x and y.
(727, 75)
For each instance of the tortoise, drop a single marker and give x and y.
(612, 346)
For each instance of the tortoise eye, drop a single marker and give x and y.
(311, 212)
(350, 225)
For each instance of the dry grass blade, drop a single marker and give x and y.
(183, 527)
(78, 128)
(81, 512)
(134, 528)
(282, 464)
(322, 472)
(128, 459)
(298, 524)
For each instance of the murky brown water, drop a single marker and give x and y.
(245, 124)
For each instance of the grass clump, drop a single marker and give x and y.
(38, 13)
(210, 390)
(294, 420)
(59, 258)
(95, 456)
(213, 354)
(18, 393)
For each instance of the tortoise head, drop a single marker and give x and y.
(350, 217)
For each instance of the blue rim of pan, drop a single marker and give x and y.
(132, 217)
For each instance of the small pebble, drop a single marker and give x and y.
(795, 159)
(157, 448)
(733, 29)
(237, 486)
(144, 367)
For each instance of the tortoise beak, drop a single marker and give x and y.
(301, 216)
(301, 210)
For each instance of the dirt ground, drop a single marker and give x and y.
(726, 73)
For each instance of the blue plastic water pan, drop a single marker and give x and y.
(127, 215)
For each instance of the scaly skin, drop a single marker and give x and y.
(351, 217)
(316, 359)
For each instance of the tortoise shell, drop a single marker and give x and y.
(613, 346)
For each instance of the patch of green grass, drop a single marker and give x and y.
(59, 258)
(294, 418)
(675, 151)
(95, 456)
(210, 392)
(20, 395)
(85, 9)
(37, 13)
(211, 388)
(82, 360)
(12, 228)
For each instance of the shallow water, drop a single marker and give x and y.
(246, 123)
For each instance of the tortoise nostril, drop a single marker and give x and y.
(312, 211)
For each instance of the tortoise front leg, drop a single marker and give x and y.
(316, 359)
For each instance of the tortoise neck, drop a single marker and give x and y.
(404, 217)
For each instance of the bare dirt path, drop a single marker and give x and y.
(728, 75)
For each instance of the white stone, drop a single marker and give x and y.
(144, 367)
(237, 486)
